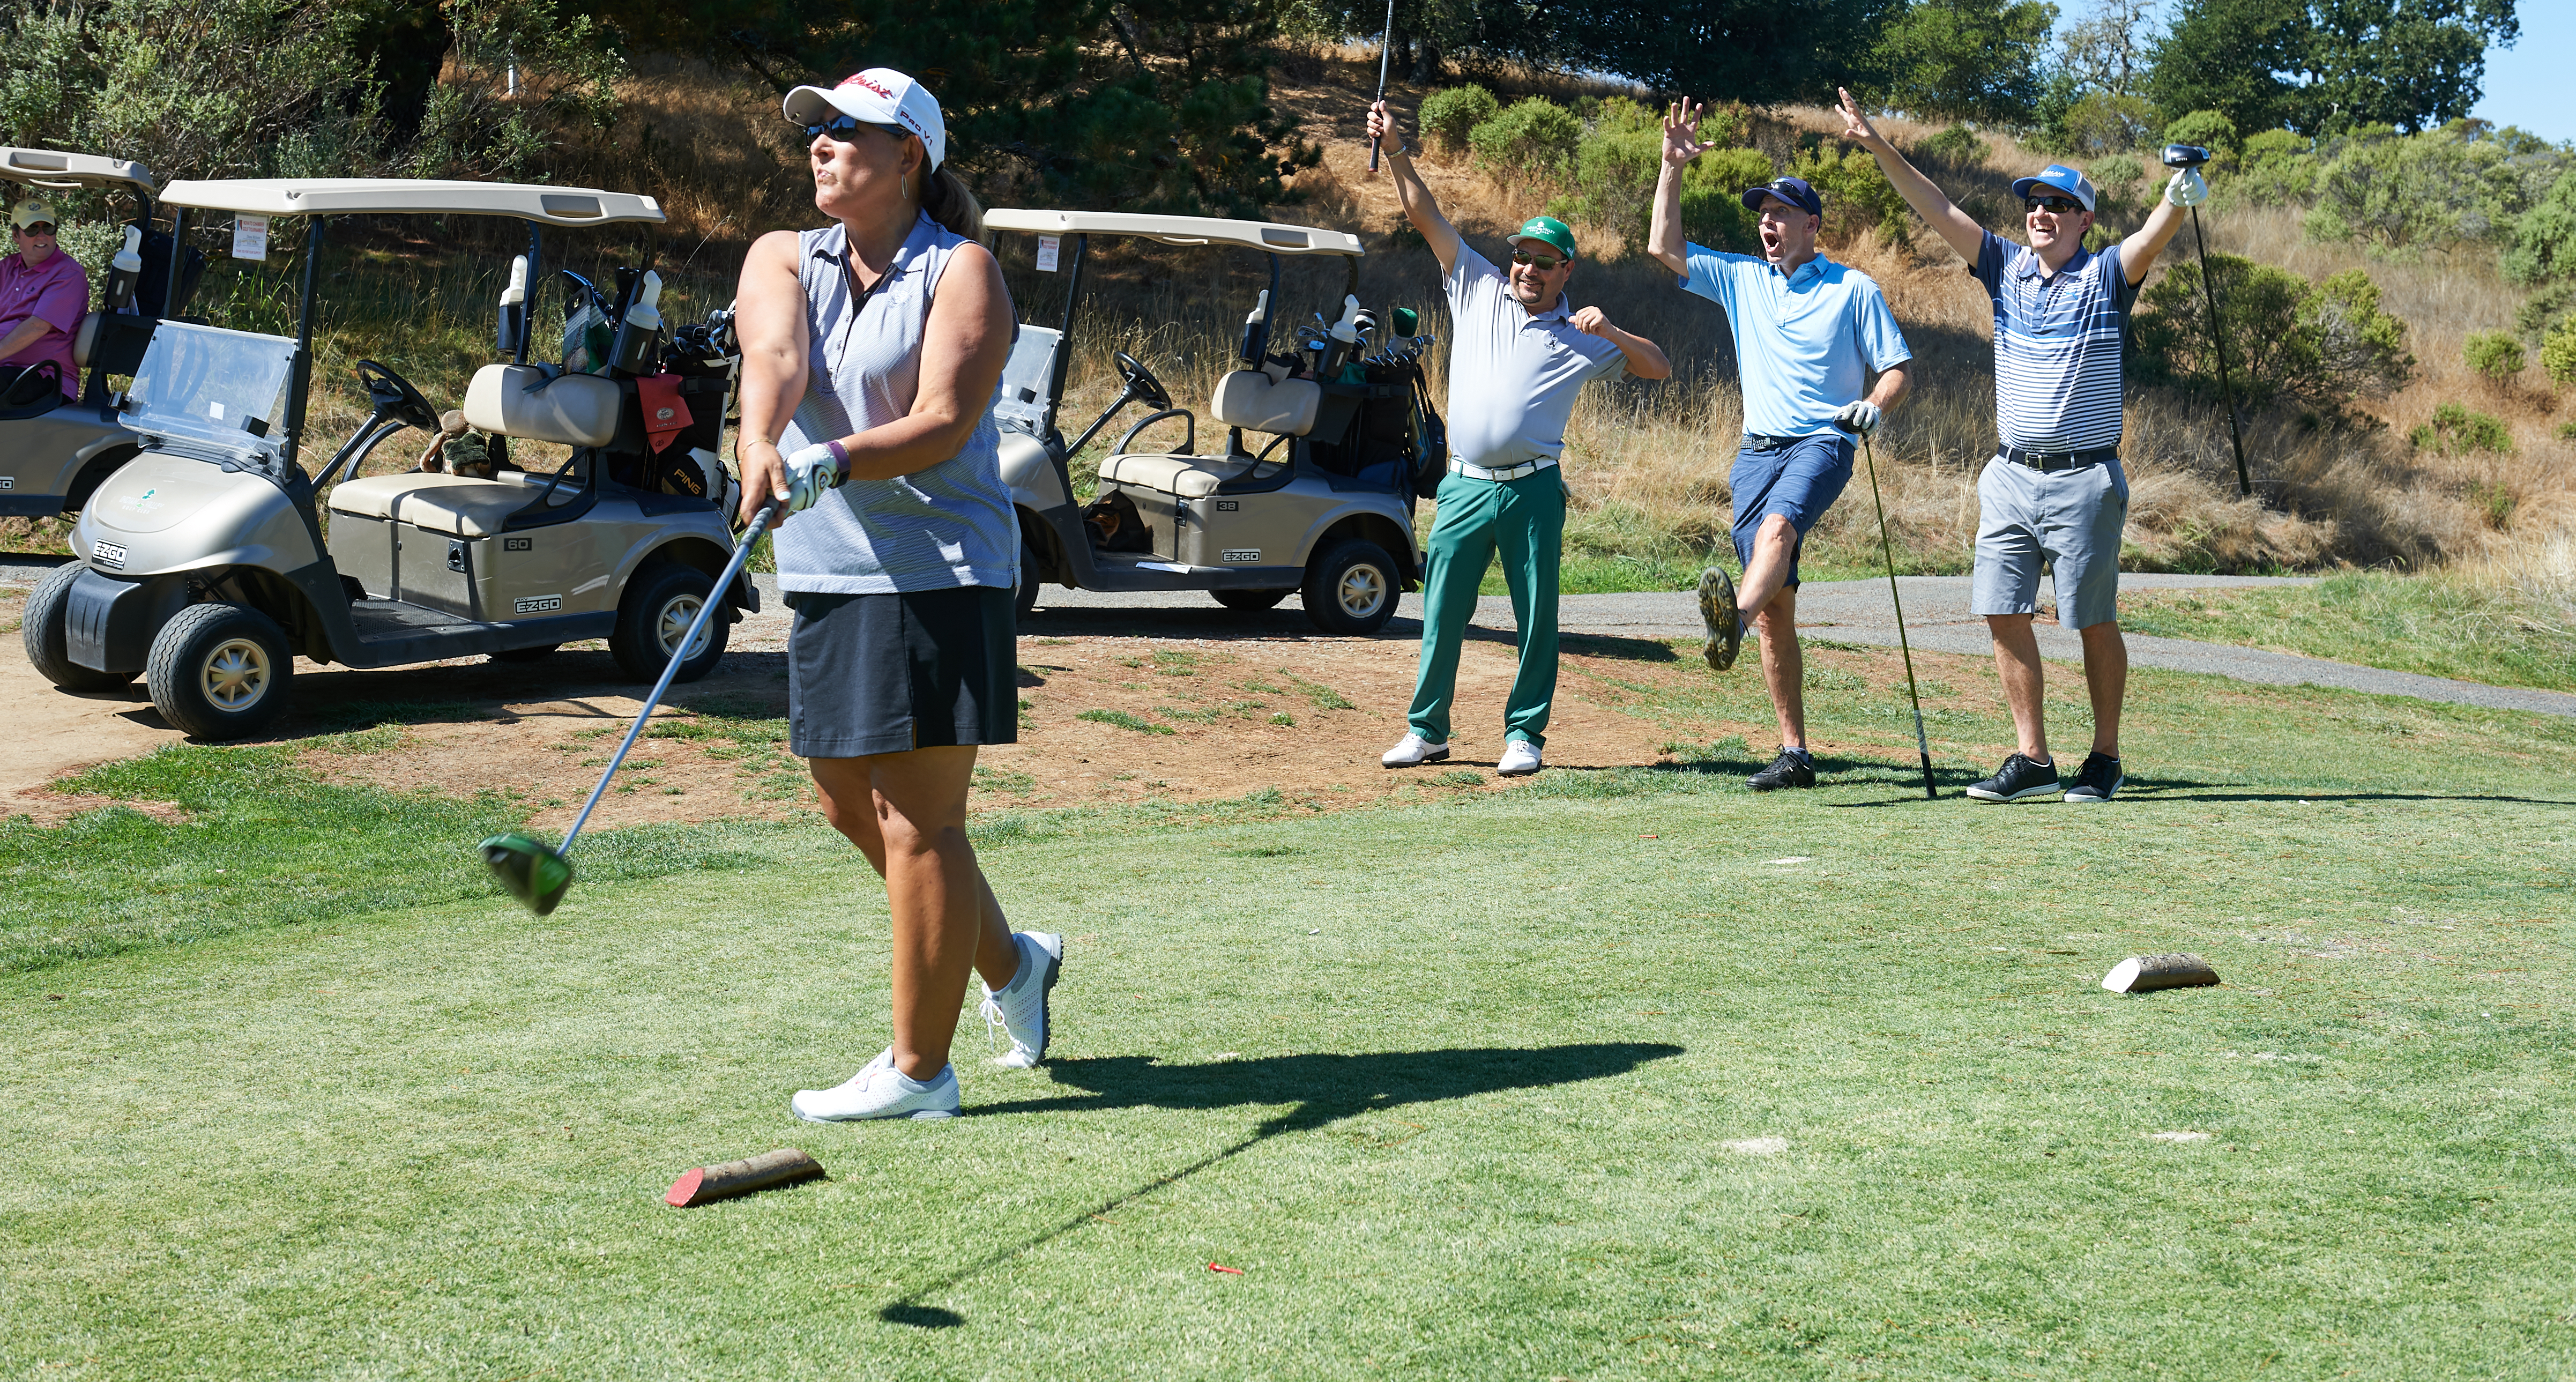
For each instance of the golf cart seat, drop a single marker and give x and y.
(85, 339)
(449, 504)
(537, 404)
(1245, 398)
(1187, 477)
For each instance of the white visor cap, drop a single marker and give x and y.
(877, 96)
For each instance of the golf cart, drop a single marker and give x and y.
(1325, 508)
(55, 449)
(203, 563)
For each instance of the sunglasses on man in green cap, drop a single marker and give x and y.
(1549, 231)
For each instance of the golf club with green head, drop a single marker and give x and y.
(539, 875)
(1886, 549)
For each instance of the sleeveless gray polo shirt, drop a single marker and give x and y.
(948, 525)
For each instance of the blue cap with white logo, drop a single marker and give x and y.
(2059, 178)
(1793, 191)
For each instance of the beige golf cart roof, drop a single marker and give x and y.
(555, 206)
(49, 168)
(1268, 236)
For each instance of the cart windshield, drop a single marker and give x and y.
(211, 385)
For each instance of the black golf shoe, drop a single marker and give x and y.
(2018, 779)
(1725, 622)
(2095, 781)
(1790, 769)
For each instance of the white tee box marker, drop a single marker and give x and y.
(2147, 973)
(2178, 1137)
(250, 237)
(1757, 1146)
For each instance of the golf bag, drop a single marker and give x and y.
(1377, 437)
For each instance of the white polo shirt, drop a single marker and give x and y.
(1513, 374)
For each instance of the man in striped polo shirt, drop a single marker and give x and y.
(2055, 491)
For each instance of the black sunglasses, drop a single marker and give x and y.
(1544, 263)
(39, 228)
(842, 129)
(2060, 205)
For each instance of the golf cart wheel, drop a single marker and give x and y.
(542, 650)
(45, 631)
(1352, 588)
(659, 603)
(1249, 601)
(1025, 598)
(220, 671)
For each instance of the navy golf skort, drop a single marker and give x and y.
(1797, 478)
(889, 673)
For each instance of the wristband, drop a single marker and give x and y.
(840, 455)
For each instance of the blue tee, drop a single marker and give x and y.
(1805, 343)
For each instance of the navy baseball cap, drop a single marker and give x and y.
(1794, 191)
(2057, 177)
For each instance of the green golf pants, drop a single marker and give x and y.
(1525, 520)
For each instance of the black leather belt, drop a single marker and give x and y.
(2060, 460)
(1756, 441)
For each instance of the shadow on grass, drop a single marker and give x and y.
(1327, 1088)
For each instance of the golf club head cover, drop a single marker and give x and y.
(811, 472)
(2186, 188)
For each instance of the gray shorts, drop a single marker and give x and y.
(2069, 518)
(871, 674)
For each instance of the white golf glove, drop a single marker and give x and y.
(1861, 417)
(811, 472)
(2186, 188)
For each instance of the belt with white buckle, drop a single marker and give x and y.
(1509, 472)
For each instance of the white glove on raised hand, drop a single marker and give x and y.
(811, 472)
(2186, 188)
(1861, 417)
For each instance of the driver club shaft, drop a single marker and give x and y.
(706, 609)
(1887, 549)
(2218, 343)
(1385, 45)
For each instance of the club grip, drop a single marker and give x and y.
(1373, 155)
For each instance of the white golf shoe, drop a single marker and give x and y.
(880, 1091)
(1020, 1009)
(1412, 751)
(1520, 759)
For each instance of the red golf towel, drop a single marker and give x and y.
(666, 414)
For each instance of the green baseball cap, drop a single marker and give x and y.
(1548, 230)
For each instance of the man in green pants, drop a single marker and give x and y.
(1518, 355)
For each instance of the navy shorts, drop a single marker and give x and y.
(1798, 481)
(870, 674)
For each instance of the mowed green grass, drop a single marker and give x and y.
(1483, 1088)
(2439, 625)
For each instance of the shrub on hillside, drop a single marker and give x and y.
(1856, 194)
(2104, 123)
(2544, 240)
(2494, 354)
(2116, 175)
(1618, 162)
(2322, 344)
(1957, 146)
(2558, 355)
(2206, 128)
(1449, 116)
(2404, 194)
(2275, 167)
(2456, 431)
(1530, 139)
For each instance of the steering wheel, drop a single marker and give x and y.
(1142, 383)
(394, 397)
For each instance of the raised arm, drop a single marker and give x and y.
(1681, 145)
(1420, 207)
(1928, 201)
(2138, 252)
(1645, 359)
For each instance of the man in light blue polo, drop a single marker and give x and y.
(1519, 353)
(1809, 333)
(2055, 491)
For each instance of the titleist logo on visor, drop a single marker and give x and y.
(860, 79)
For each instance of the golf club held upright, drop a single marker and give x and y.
(1922, 745)
(2180, 157)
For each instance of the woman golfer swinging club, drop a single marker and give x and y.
(872, 351)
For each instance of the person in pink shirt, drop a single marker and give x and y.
(43, 295)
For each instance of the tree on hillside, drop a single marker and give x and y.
(1429, 32)
(1755, 51)
(2109, 49)
(2322, 67)
(1966, 59)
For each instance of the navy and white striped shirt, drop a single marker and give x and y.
(2057, 345)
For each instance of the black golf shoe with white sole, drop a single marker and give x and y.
(2095, 781)
(2018, 779)
(1790, 769)
(1725, 622)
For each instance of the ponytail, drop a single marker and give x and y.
(944, 199)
